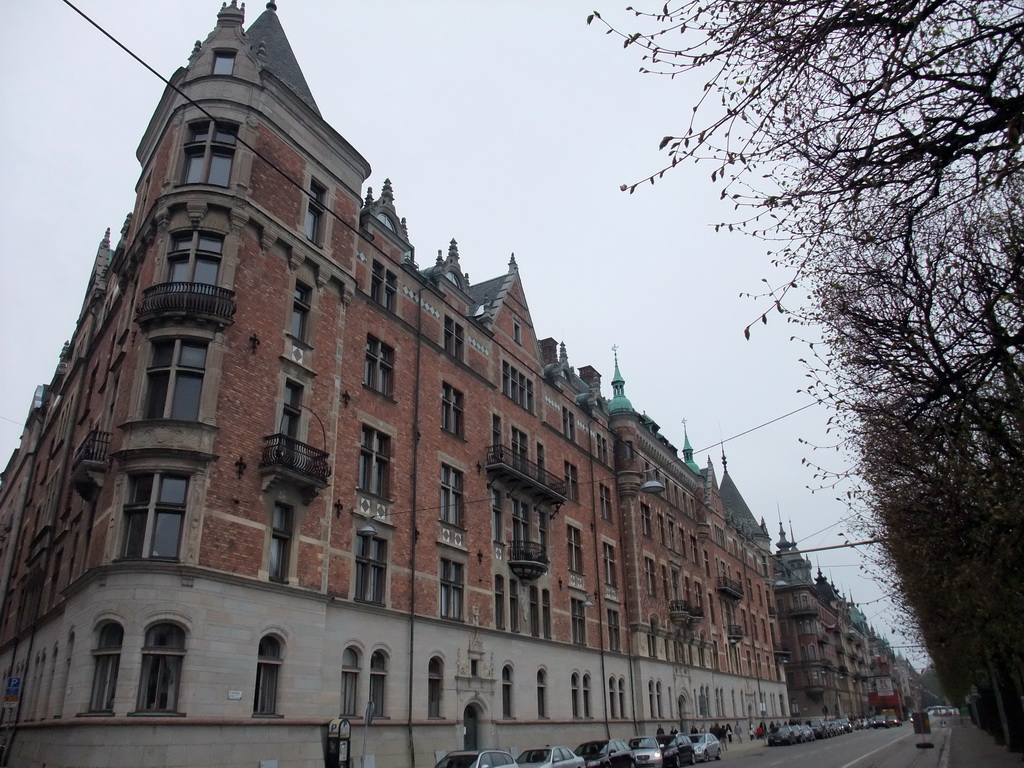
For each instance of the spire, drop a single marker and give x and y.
(267, 33)
(453, 251)
(688, 451)
(563, 356)
(619, 402)
(105, 242)
(784, 544)
(512, 266)
(725, 463)
(387, 194)
(230, 15)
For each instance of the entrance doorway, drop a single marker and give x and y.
(470, 727)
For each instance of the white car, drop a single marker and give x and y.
(550, 757)
(646, 752)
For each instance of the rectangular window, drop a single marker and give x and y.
(572, 482)
(209, 152)
(499, 602)
(452, 581)
(645, 520)
(568, 423)
(280, 542)
(300, 311)
(451, 409)
(545, 612)
(383, 286)
(454, 337)
(578, 618)
(371, 569)
(315, 212)
(194, 258)
(497, 516)
(575, 549)
(602, 448)
(650, 577)
(614, 643)
(154, 515)
(451, 495)
(175, 380)
(374, 461)
(610, 576)
(534, 612)
(223, 62)
(517, 386)
(520, 521)
(513, 605)
(291, 410)
(605, 495)
(377, 372)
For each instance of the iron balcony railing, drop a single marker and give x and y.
(501, 458)
(681, 608)
(93, 449)
(187, 298)
(735, 631)
(730, 587)
(527, 559)
(286, 452)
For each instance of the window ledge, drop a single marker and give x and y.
(156, 714)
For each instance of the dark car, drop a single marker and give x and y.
(676, 750)
(878, 721)
(820, 728)
(784, 734)
(606, 753)
(477, 758)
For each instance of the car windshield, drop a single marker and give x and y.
(534, 756)
(590, 748)
(457, 761)
(697, 738)
(643, 742)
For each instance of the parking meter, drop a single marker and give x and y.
(336, 748)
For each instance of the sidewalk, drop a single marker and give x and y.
(968, 746)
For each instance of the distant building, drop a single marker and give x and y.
(284, 470)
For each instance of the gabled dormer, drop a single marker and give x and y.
(379, 217)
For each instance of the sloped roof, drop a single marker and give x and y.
(280, 59)
(733, 501)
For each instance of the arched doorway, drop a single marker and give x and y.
(470, 726)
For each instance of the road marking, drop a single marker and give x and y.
(869, 754)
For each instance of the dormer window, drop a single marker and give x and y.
(453, 279)
(224, 63)
(384, 219)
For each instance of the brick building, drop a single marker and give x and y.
(283, 470)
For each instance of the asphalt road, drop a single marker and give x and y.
(881, 748)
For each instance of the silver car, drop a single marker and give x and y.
(706, 746)
(646, 752)
(483, 758)
(550, 757)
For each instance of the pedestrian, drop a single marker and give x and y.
(751, 729)
(673, 732)
(693, 729)
(660, 731)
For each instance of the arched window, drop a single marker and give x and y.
(613, 708)
(268, 665)
(349, 681)
(657, 697)
(162, 657)
(506, 692)
(586, 697)
(542, 693)
(107, 663)
(650, 698)
(622, 698)
(435, 686)
(575, 690)
(378, 680)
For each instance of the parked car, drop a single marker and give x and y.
(893, 720)
(646, 752)
(805, 731)
(606, 753)
(819, 727)
(784, 734)
(879, 721)
(844, 724)
(476, 758)
(550, 757)
(676, 750)
(705, 746)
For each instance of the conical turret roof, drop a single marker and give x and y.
(266, 33)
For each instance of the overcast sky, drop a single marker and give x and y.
(508, 126)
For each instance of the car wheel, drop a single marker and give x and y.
(707, 756)
(693, 759)
(718, 755)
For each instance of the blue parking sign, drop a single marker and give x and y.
(13, 690)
